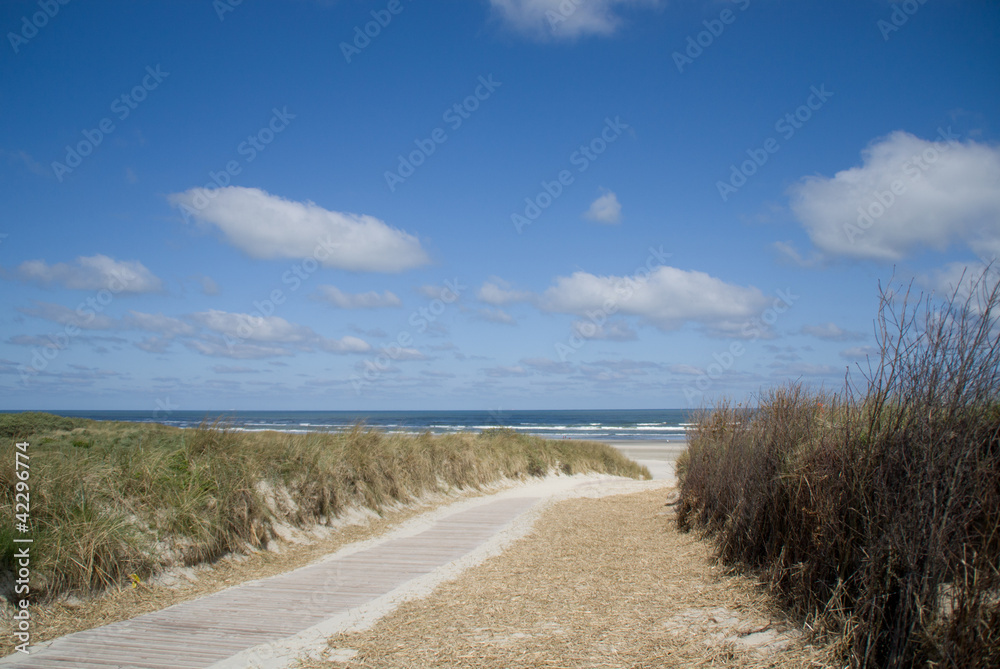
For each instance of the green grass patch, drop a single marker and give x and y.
(113, 499)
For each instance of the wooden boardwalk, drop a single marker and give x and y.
(204, 631)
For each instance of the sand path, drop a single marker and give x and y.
(606, 582)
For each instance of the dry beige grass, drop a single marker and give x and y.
(598, 583)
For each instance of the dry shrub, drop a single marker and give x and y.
(873, 513)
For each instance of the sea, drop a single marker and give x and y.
(599, 425)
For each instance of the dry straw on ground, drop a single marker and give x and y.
(598, 583)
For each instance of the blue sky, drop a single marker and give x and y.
(480, 204)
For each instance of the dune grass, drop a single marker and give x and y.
(113, 499)
(873, 513)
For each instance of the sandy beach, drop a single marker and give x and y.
(658, 456)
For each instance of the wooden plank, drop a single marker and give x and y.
(200, 632)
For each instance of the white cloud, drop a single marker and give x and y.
(686, 370)
(859, 352)
(85, 319)
(220, 348)
(267, 226)
(448, 291)
(908, 194)
(605, 209)
(346, 344)
(253, 328)
(669, 298)
(831, 332)
(369, 300)
(959, 278)
(564, 19)
(97, 272)
(398, 354)
(158, 323)
(239, 329)
(498, 292)
(496, 316)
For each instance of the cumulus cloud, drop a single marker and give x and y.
(498, 292)
(370, 300)
(564, 19)
(605, 209)
(908, 194)
(831, 332)
(668, 299)
(97, 272)
(267, 226)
